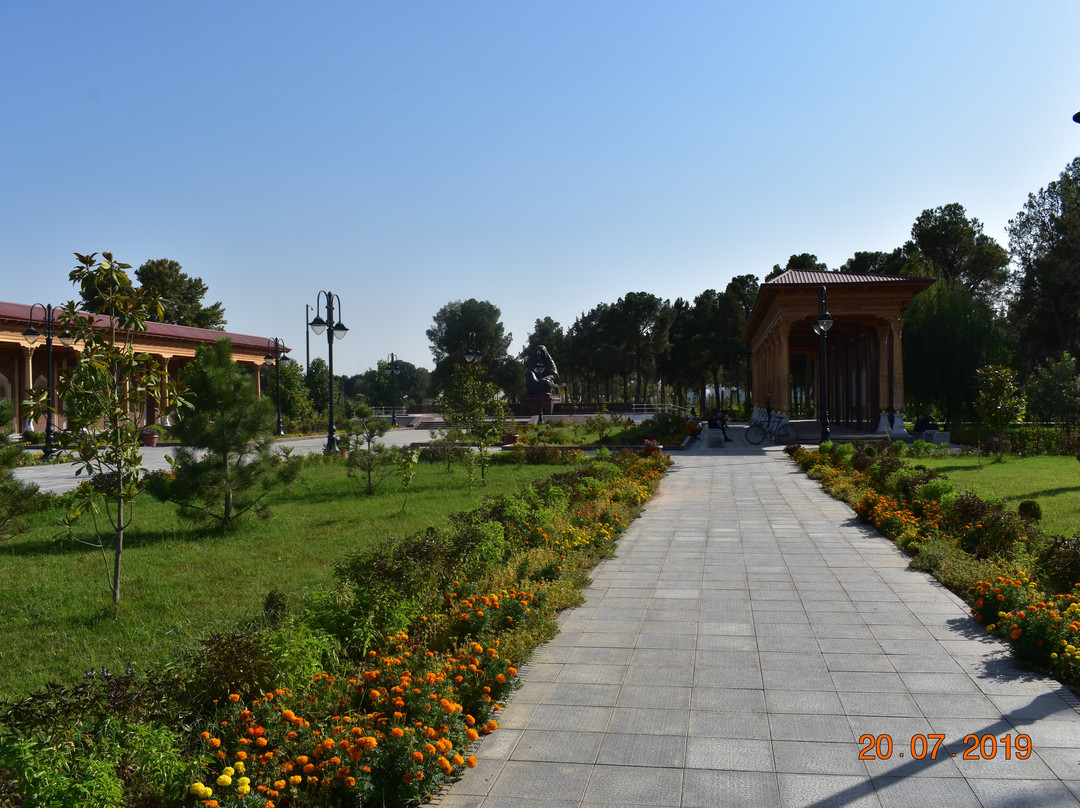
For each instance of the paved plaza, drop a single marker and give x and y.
(752, 644)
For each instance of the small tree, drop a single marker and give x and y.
(16, 498)
(106, 396)
(407, 458)
(472, 405)
(366, 456)
(225, 465)
(999, 402)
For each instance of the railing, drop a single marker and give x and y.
(653, 409)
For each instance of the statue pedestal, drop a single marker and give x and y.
(535, 403)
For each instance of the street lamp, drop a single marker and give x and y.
(1076, 117)
(307, 337)
(822, 325)
(395, 371)
(471, 352)
(31, 334)
(275, 356)
(333, 331)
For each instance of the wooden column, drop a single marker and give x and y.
(783, 368)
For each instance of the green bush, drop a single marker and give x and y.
(1029, 510)
(956, 569)
(937, 489)
(1060, 561)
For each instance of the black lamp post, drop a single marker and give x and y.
(275, 355)
(307, 337)
(333, 331)
(1076, 117)
(395, 370)
(31, 334)
(822, 325)
(471, 352)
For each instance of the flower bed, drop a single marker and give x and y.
(371, 695)
(917, 509)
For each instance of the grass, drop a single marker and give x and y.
(180, 583)
(1053, 482)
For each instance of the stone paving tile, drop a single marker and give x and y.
(820, 702)
(907, 792)
(620, 749)
(798, 757)
(634, 785)
(737, 651)
(826, 791)
(879, 704)
(554, 746)
(725, 753)
(706, 788)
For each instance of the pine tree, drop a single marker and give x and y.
(225, 466)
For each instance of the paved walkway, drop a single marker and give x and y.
(747, 637)
(59, 477)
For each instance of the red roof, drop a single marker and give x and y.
(815, 277)
(21, 313)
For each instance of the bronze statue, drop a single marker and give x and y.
(542, 376)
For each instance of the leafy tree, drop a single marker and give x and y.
(295, 399)
(743, 290)
(17, 499)
(449, 337)
(877, 263)
(472, 404)
(948, 335)
(946, 244)
(1053, 389)
(106, 395)
(545, 332)
(225, 465)
(317, 380)
(1000, 401)
(642, 323)
(1044, 239)
(806, 261)
(181, 295)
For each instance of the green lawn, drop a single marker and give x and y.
(1053, 482)
(179, 583)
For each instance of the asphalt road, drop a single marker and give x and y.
(60, 477)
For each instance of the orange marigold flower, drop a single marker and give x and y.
(397, 732)
(234, 697)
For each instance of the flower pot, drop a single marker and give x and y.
(149, 438)
(509, 437)
(651, 450)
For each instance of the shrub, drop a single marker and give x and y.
(1029, 510)
(936, 489)
(1060, 561)
(952, 566)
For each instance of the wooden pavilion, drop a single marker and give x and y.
(865, 364)
(23, 364)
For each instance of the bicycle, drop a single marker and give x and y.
(784, 432)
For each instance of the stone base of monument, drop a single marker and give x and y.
(531, 404)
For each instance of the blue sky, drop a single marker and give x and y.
(546, 157)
